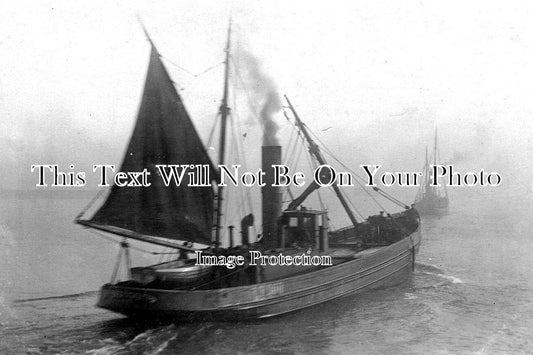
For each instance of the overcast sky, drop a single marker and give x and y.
(382, 74)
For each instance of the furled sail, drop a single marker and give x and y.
(164, 134)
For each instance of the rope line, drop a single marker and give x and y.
(189, 72)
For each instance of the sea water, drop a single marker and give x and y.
(471, 293)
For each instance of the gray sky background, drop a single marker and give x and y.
(382, 74)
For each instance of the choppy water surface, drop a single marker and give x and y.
(471, 293)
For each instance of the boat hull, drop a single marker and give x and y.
(432, 206)
(431, 209)
(386, 266)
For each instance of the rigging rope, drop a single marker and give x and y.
(382, 193)
(230, 213)
(352, 204)
(314, 164)
(289, 144)
(192, 83)
(98, 194)
(189, 72)
(390, 197)
(357, 181)
(327, 151)
(242, 156)
(212, 133)
(297, 159)
(295, 150)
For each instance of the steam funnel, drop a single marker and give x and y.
(271, 155)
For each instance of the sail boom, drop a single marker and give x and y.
(134, 235)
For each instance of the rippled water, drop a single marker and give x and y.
(471, 293)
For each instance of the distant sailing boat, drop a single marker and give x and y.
(369, 253)
(431, 200)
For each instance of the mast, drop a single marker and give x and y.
(436, 152)
(426, 162)
(435, 149)
(426, 172)
(434, 190)
(315, 150)
(224, 112)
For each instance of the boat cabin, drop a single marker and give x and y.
(304, 228)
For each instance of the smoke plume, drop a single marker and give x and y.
(264, 95)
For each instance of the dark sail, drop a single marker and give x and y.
(163, 134)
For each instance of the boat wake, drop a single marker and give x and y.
(149, 341)
(73, 295)
(433, 270)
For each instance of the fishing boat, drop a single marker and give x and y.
(303, 261)
(431, 200)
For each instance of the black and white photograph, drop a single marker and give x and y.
(266, 177)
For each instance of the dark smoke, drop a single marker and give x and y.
(271, 106)
(265, 95)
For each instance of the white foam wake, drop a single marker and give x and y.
(430, 269)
